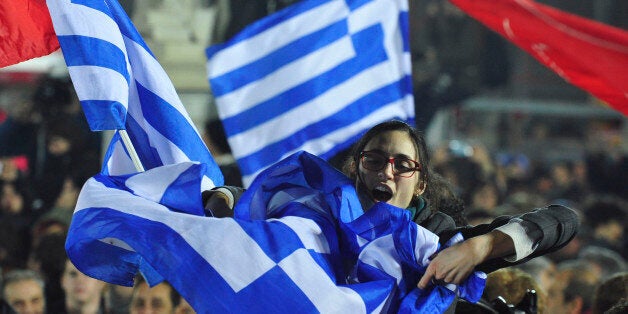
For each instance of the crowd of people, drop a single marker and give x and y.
(572, 279)
(42, 172)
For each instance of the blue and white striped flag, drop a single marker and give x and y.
(312, 77)
(121, 86)
(299, 243)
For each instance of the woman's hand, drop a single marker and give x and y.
(454, 264)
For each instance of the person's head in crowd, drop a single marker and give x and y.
(118, 299)
(83, 294)
(561, 174)
(64, 137)
(515, 168)
(13, 199)
(603, 261)
(23, 291)
(160, 299)
(441, 195)
(13, 169)
(572, 289)
(512, 284)
(66, 201)
(542, 269)
(52, 96)
(55, 221)
(48, 257)
(606, 216)
(464, 173)
(486, 196)
(12, 244)
(394, 152)
(610, 292)
(580, 174)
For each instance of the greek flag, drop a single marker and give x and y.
(121, 86)
(312, 77)
(299, 243)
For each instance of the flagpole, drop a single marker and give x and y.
(129, 147)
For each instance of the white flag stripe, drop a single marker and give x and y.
(120, 163)
(304, 228)
(101, 196)
(334, 299)
(400, 108)
(118, 243)
(327, 104)
(378, 255)
(117, 85)
(154, 190)
(313, 64)
(269, 40)
(362, 17)
(100, 26)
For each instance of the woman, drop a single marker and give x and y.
(390, 164)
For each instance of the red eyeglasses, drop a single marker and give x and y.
(402, 166)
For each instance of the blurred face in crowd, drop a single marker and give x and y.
(11, 202)
(155, 300)
(25, 297)
(392, 183)
(80, 289)
(58, 145)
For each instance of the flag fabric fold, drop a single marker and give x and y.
(298, 243)
(311, 77)
(25, 31)
(586, 53)
(122, 86)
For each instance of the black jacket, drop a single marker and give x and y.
(551, 228)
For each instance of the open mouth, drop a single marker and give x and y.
(381, 193)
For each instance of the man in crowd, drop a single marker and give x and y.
(83, 294)
(160, 299)
(23, 291)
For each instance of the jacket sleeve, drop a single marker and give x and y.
(551, 227)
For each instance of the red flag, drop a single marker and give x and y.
(588, 54)
(26, 31)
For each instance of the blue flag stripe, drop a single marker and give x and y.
(94, 109)
(103, 53)
(309, 90)
(348, 115)
(282, 56)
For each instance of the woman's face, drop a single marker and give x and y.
(382, 185)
